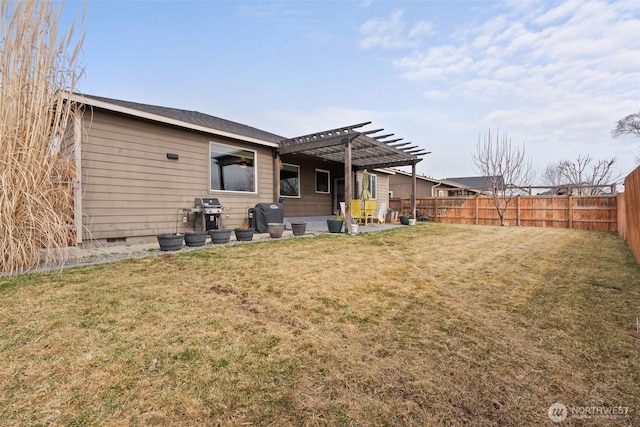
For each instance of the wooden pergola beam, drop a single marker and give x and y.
(399, 145)
(314, 144)
(378, 137)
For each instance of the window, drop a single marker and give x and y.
(322, 181)
(232, 168)
(290, 180)
(373, 186)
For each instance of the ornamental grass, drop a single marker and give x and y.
(38, 71)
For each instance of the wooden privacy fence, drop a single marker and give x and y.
(579, 212)
(629, 212)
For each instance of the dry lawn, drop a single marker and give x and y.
(428, 325)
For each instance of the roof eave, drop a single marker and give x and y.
(166, 120)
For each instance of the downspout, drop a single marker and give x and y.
(433, 193)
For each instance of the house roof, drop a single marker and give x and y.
(368, 150)
(184, 118)
(474, 182)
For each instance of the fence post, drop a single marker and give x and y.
(435, 208)
(518, 211)
(570, 211)
(476, 213)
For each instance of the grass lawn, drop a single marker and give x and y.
(429, 325)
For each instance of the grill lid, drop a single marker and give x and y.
(207, 202)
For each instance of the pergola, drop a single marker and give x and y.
(358, 150)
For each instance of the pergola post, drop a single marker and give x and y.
(276, 176)
(348, 185)
(413, 190)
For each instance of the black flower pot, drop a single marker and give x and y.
(299, 228)
(244, 234)
(220, 236)
(170, 241)
(195, 239)
(404, 219)
(334, 226)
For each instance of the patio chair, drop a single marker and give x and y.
(382, 211)
(356, 211)
(369, 210)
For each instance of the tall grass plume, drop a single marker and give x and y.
(38, 71)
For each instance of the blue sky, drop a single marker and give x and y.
(553, 75)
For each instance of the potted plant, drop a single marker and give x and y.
(244, 233)
(335, 224)
(299, 228)
(195, 238)
(170, 241)
(275, 229)
(220, 235)
(404, 219)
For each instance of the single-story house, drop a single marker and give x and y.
(400, 185)
(138, 167)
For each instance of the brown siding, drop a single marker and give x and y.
(311, 203)
(130, 188)
(401, 187)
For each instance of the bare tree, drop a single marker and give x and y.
(504, 167)
(628, 125)
(582, 176)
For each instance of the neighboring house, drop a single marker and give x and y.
(481, 184)
(138, 166)
(400, 186)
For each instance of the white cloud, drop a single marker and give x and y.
(558, 75)
(391, 33)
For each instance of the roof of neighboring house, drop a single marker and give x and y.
(176, 116)
(475, 182)
(445, 182)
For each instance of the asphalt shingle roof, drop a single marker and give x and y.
(194, 117)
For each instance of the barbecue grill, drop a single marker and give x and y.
(209, 209)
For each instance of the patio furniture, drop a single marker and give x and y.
(356, 211)
(382, 211)
(369, 211)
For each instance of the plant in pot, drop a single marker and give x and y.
(275, 229)
(244, 233)
(335, 224)
(299, 228)
(404, 219)
(195, 238)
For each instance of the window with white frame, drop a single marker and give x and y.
(232, 168)
(290, 180)
(373, 185)
(322, 181)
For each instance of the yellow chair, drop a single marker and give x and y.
(369, 210)
(356, 210)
